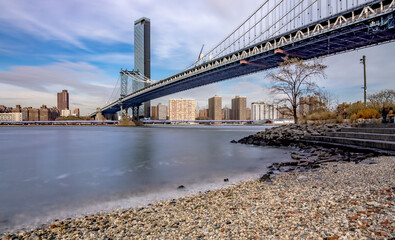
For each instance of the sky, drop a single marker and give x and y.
(47, 46)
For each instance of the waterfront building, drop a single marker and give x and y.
(226, 113)
(239, 105)
(63, 100)
(154, 113)
(34, 114)
(54, 113)
(76, 112)
(307, 105)
(17, 109)
(12, 117)
(182, 109)
(203, 114)
(25, 110)
(248, 113)
(142, 56)
(44, 113)
(162, 111)
(65, 113)
(214, 108)
(284, 112)
(264, 111)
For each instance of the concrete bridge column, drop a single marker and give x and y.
(99, 116)
(124, 112)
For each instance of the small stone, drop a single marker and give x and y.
(265, 178)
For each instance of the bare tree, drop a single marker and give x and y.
(294, 79)
(384, 98)
(326, 100)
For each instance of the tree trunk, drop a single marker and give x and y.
(295, 114)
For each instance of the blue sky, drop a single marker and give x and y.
(47, 46)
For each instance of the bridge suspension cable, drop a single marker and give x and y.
(273, 18)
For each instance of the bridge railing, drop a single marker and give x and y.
(276, 17)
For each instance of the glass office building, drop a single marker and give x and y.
(142, 56)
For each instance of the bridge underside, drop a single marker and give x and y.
(347, 38)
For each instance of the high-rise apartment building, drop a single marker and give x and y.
(162, 111)
(142, 55)
(154, 113)
(215, 108)
(248, 113)
(264, 111)
(63, 100)
(239, 105)
(226, 115)
(44, 113)
(34, 114)
(181, 109)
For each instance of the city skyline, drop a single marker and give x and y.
(40, 54)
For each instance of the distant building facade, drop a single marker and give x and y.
(154, 113)
(181, 109)
(284, 112)
(248, 113)
(226, 113)
(203, 114)
(215, 108)
(264, 111)
(17, 109)
(44, 113)
(76, 112)
(65, 113)
(142, 55)
(162, 111)
(12, 117)
(239, 105)
(308, 104)
(63, 100)
(32, 114)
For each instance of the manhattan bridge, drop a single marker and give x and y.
(304, 29)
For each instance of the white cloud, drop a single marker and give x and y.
(178, 29)
(88, 84)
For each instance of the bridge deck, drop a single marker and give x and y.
(349, 30)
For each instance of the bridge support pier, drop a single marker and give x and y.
(99, 116)
(124, 112)
(136, 110)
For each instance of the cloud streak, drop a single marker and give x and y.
(82, 79)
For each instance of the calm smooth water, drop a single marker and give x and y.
(56, 172)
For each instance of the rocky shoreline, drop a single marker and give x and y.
(306, 156)
(337, 201)
(322, 194)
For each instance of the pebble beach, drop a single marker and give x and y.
(339, 200)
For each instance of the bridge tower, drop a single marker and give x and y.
(142, 55)
(124, 92)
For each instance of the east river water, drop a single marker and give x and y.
(57, 172)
